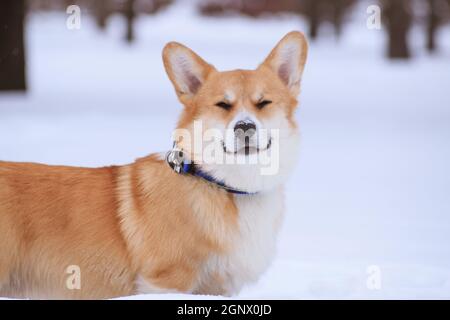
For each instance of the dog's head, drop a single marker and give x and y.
(239, 125)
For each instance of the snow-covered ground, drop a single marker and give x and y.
(371, 191)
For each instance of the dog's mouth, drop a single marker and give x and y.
(247, 149)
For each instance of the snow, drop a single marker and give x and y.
(371, 187)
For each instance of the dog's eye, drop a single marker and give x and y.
(224, 105)
(263, 103)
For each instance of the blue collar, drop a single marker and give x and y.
(175, 159)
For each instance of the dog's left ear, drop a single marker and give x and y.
(186, 70)
(288, 60)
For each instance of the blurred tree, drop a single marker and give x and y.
(253, 8)
(339, 7)
(129, 15)
(437, 14)
(432, 24)
(319, 11)
(12, 55)
(315, 11)
(397, 15)
(130, 9)
(101, 13)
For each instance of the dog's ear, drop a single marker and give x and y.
(288, 60)
(186, 70)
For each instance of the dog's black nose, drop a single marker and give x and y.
(244, 129)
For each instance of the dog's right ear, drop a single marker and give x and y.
(186, 70)
(287, 60)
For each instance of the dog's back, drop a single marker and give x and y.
(53, 218)
(129, 229)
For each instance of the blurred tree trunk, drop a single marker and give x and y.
(12, 55)
(338, 11)
(101, 13)
(397, 13)
(129, 14)
(313, 12)
(432, 24)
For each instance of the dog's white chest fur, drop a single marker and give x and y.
(254, 244)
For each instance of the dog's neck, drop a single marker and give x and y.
(181, 164)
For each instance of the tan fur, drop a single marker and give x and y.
(115, 223)
(138, 222)
(54, 217)
(183, 219)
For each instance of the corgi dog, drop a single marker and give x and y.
(176, 223)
